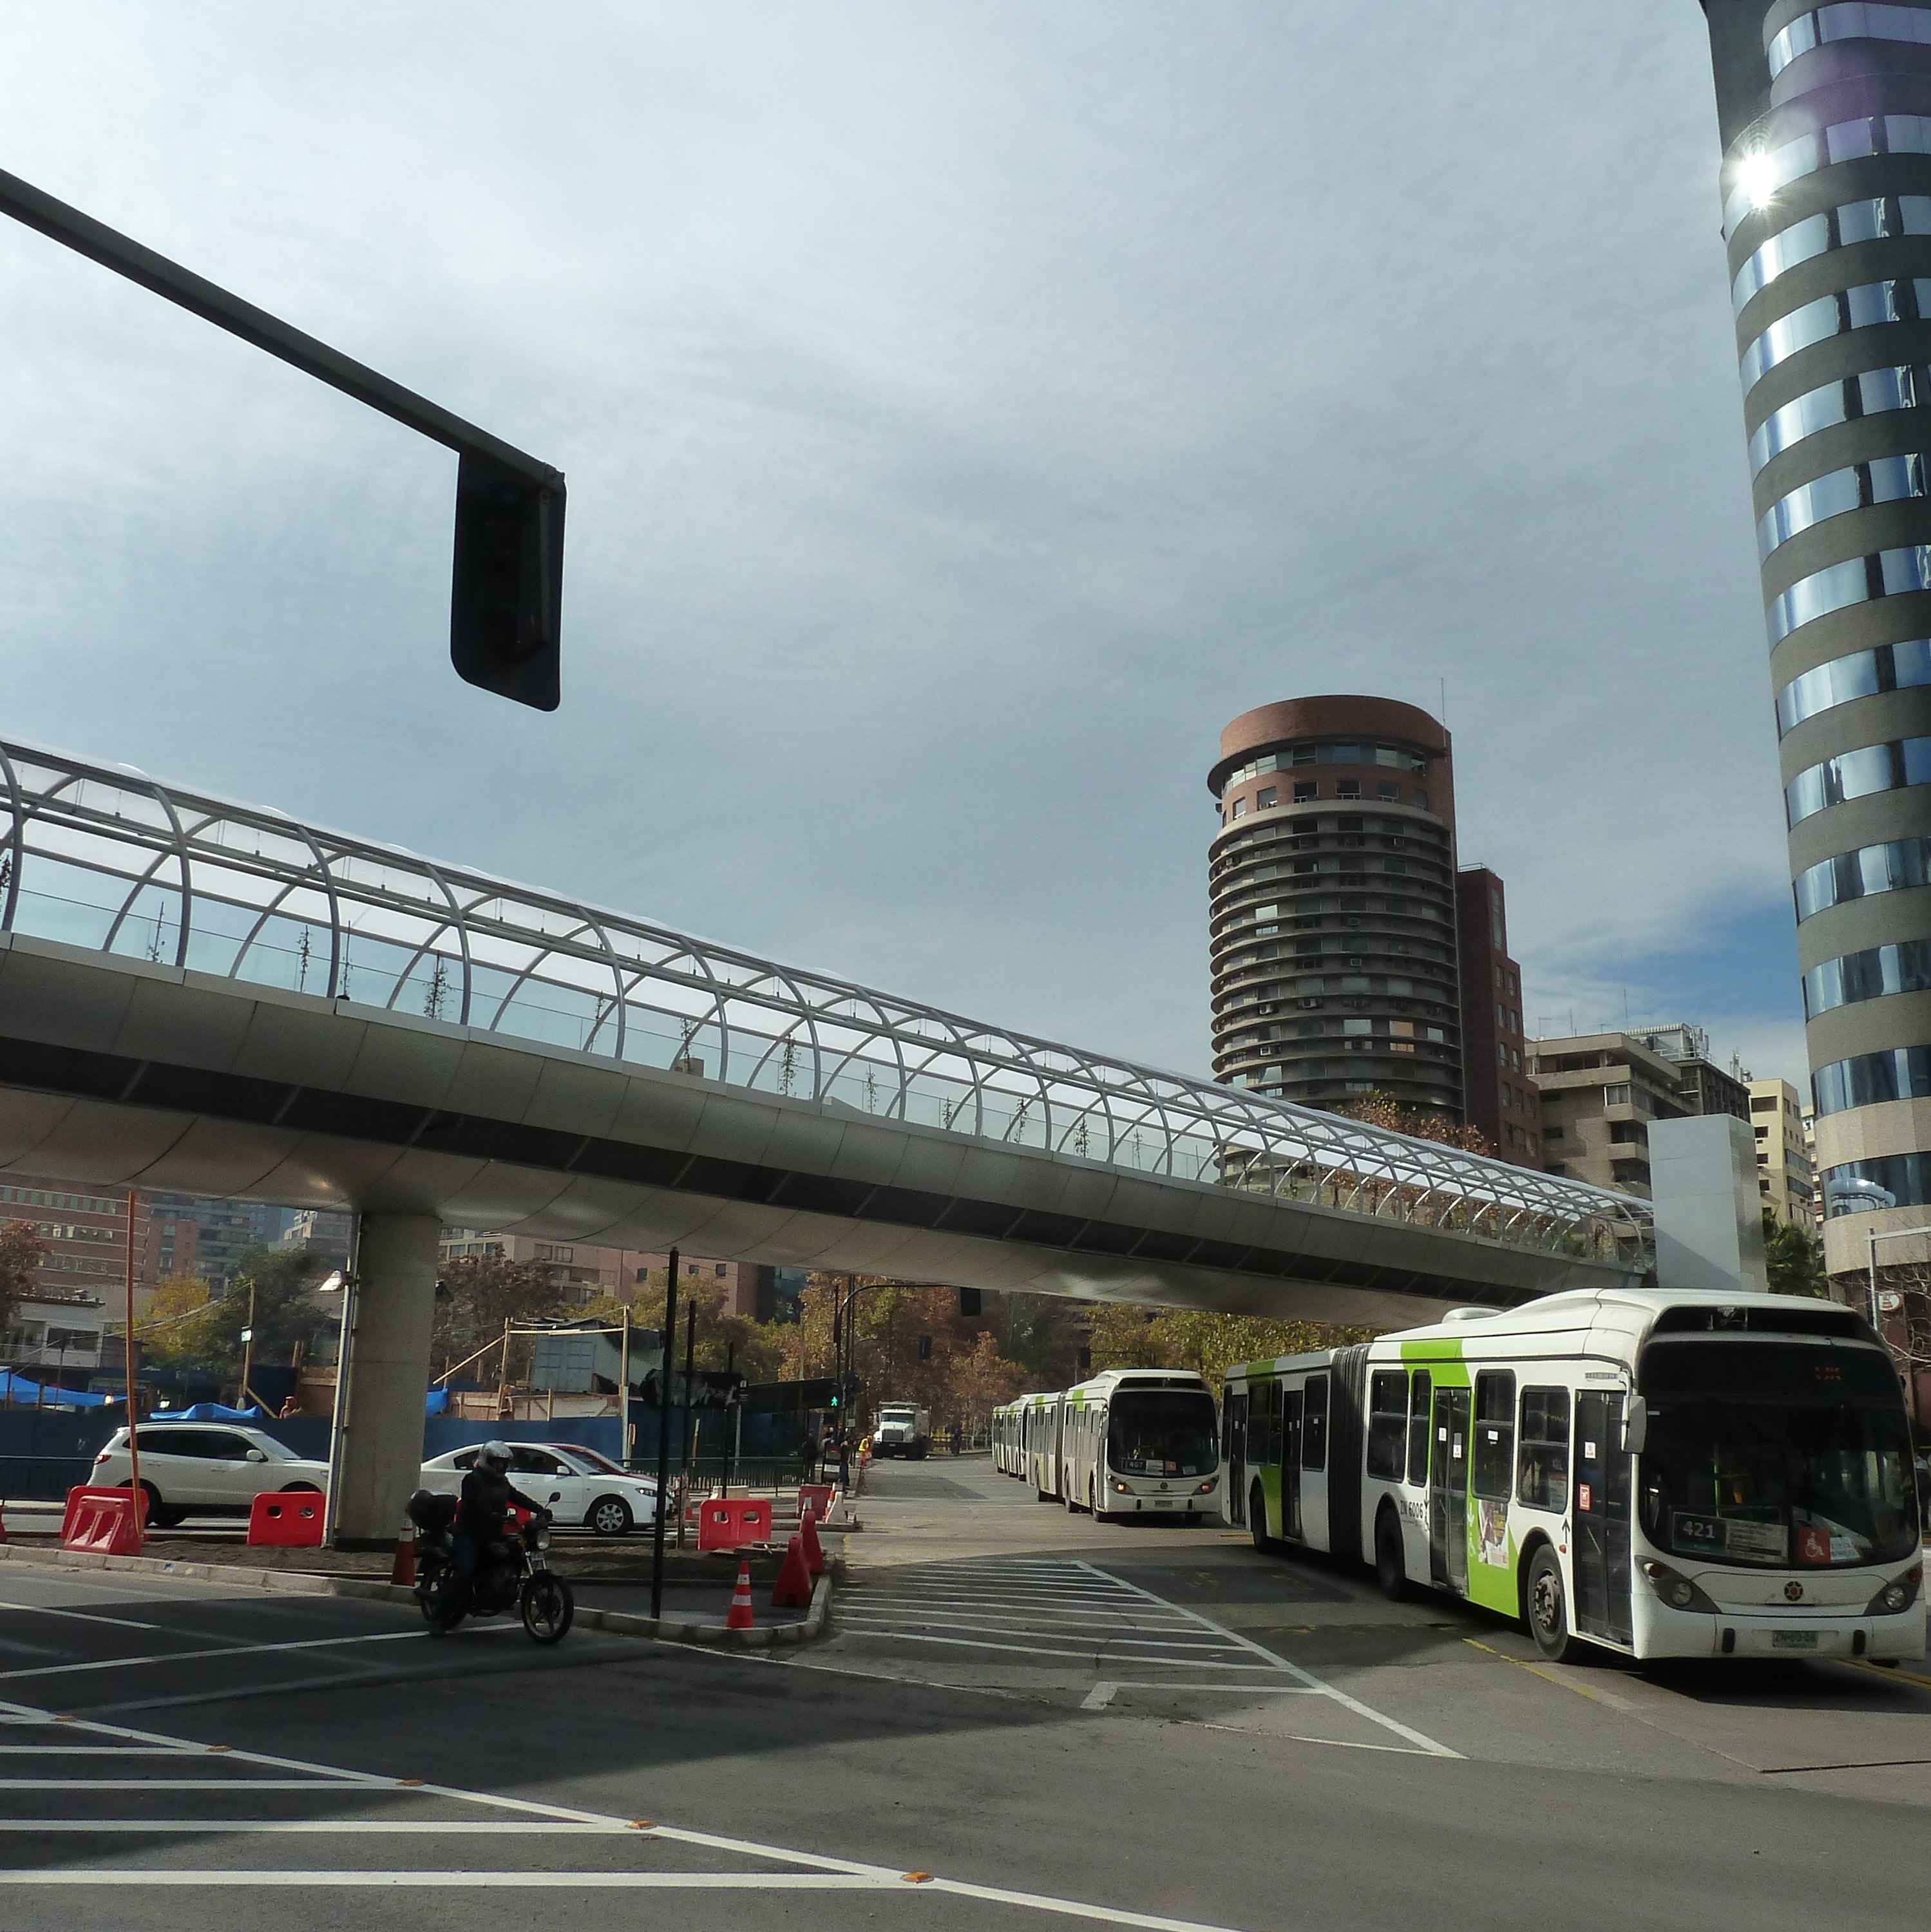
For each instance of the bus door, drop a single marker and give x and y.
(1447, 1493)
(1290, 1464)
(1601, 1505)
(1236, 1432)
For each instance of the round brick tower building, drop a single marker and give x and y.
(1331, 889)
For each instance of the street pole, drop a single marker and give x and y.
(684, 1462)
(248, 1348)
(623, 1394)
(133, 1434)
(668, 1339)
(732, 1421)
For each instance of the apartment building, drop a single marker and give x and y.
(1600, 1092)
(1784, 1173)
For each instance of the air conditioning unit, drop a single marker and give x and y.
(1265, 1006)
(1311, 1003)
(1357, 959)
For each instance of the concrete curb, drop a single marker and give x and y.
(307, 1583)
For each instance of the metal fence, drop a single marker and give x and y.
(105, 858)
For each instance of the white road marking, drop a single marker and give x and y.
(1103, 1693)
(224, 1650)
(898, 1636)
(1419, 1739)
(823, 1872)
(86, 1616)
(497, 1828)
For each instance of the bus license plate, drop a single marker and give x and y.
(1162, 1502)
(1792, 1639)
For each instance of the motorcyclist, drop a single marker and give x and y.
(483, 1507)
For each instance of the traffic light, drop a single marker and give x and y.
(836, 1400)
(925, 1347)
(968, 1304)
(507, 592)
(1085, 1366)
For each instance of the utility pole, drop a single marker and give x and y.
(623, 1393)
(248, 1348)
(668, 1341)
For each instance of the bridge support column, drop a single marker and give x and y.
(376, 1457)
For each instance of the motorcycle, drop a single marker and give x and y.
(514, 1573)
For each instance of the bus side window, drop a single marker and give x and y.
(1494, 1460)
(1314, 1425)
(1387, 1424)
(1542, 1478)
(1418, 1392)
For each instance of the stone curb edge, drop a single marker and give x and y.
(307, 1583)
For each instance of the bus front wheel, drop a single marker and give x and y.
(1545, 1600)
(1391, 1567)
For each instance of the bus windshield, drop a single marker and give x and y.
(1777, 1453)
(1162, 1432)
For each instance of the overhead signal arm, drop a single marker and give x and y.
(506, 604)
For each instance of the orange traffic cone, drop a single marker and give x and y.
(814, 1551)
(792, 1590)
(403, 1570)
(739, 1616)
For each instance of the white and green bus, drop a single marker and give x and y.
(1126, 1442)
(1666, 1474)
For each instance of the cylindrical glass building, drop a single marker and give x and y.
(1332, 890)
(1825, 114)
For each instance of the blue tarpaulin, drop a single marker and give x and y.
(206, 1411)
(436, 1402)
(15, 1388)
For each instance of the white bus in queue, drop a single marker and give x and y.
(1129, 1441)
(1663, 1473)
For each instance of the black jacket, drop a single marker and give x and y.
(486, 1495)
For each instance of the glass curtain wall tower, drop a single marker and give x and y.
(1825, 115)
(1331, 892)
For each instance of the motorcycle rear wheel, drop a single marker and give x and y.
(442, 1603)
(547, 1607)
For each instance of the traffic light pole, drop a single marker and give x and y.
(506, 609)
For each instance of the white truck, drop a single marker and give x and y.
(902, 1430)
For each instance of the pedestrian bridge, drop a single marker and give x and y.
(215, 999)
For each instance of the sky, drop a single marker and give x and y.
(967, 410)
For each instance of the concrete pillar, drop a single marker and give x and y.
(1708, 1207)
(376, 1459)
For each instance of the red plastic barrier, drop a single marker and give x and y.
(107, 1522)
(291, 1519)
(731, 1522)
(817, 1497)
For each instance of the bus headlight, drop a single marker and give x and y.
(1206, 1489)
(1900, 1593)
(1121, 1488)
(1675, 1588)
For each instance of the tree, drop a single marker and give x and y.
(1204, 1340)
(475, 1294)
(754, 1349)
(276, 1282)
(21, 1251)
(1793, 1258)
(1382, 1109)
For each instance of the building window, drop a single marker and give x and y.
(1238, 809)
(1348, 787)
(1389, 791)
(1305, 790)
(1617, 1095)
(1502, 1053)
(1420, 800)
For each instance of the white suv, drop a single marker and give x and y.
(209, 1468)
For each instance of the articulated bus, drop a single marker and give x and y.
(1662, 1473)
(1130, 1441)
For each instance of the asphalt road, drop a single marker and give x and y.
(1132, 1726)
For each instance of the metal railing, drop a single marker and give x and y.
(104, 857)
